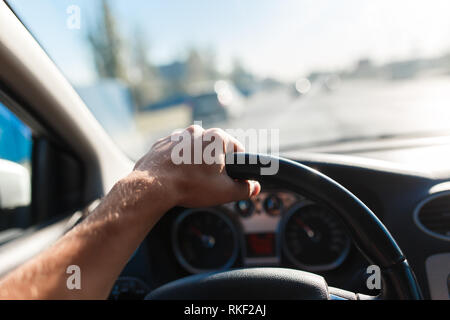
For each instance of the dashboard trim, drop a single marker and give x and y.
(420, 206)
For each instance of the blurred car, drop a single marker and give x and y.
(215, 103)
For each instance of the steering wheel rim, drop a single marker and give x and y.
(368, 233)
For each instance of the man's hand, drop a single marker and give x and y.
(194, 185)
(102, 244)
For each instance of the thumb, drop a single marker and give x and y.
(242, 189)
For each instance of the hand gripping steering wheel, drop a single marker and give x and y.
(367, 232)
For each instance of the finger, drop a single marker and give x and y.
(256, 189)
(240, 190)
(237, 146)
(195, 130)
(177, 132)
(230, 143)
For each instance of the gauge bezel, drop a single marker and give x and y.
(239, 212)
(280, 210)
(177, 251)
(284, 248)
(127, 279)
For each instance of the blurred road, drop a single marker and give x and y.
(355, 109)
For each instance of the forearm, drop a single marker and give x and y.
(100, 246)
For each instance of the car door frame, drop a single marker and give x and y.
(34, 89)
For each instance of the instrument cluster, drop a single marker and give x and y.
(271, 229)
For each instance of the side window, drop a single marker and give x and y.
(15, 175)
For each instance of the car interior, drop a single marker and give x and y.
(331, 212)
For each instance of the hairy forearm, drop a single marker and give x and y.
(100, 246)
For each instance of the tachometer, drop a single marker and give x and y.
(205, 240)
(313, 238)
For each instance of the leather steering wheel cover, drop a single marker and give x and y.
(256, 283)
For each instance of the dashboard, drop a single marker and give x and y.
(284, 229)
(264, 231)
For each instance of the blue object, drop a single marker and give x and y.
(15, 137)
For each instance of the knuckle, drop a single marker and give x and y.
(218, 133)
(194, 128)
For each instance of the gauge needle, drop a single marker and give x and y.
(306, 228)
(195, 231)
(208, 241)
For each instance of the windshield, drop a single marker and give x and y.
(316, 71)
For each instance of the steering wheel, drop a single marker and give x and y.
(367, 232)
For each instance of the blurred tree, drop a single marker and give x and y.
(130, 63)
(107, 46)
(113, 59)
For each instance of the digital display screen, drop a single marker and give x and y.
(260, 245)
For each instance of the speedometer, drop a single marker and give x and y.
(313, 238)
(205, 240)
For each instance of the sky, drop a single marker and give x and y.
(284, 39)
